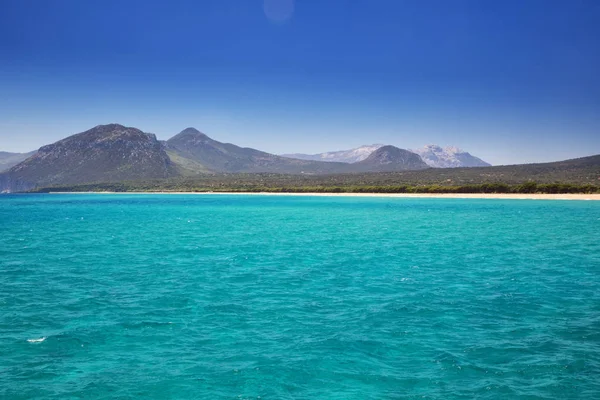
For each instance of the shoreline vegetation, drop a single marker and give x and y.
(580, 175)
(486, 190)
(512, 196)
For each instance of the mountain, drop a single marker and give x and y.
(346, 156)
(116, 155)
(580, 171)
(105, 153)
(194, 152)
(111, 153)
(450, 157)
(389, 159)
(433, 155)
(8, 160)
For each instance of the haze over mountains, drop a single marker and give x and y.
(433, 155)
(7, 160)
(115, 153)
(449, 157)
(347, 156)
(194, 152)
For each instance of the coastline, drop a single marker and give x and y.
(498, 196)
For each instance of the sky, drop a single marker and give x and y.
(510, 81)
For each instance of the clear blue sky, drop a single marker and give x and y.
(509, 81)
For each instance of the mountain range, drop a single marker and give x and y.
(194, 152)
(346, 156)
(433, 155)
(113, 152)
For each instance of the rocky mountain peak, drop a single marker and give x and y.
(109, 152)
(347, 156)
(191, 131)
(188, 137)
(389, 154)
(392, 158)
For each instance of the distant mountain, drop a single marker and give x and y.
(194, 152)
(372, 158)
(449, 157)
(8, 160)
(105, 153)
(433, 155)
(389, 159)
(580, 171)
(346, 156)
(113, 153)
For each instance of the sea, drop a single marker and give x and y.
(150, 296)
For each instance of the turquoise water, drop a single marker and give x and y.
(247, 297)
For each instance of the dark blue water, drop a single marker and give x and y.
(247, 297)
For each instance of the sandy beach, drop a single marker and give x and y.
(506, 196)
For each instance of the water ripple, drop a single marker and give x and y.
(120, 296)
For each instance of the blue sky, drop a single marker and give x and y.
(509, 81)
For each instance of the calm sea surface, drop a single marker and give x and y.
(271, 297)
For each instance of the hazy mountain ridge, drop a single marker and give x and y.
(449, 157)
(111, 153)
(114, 153)
(191, 144)
(346, 156)
(433, 155)
(8, 160)
(562, 175)
(194, 147)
